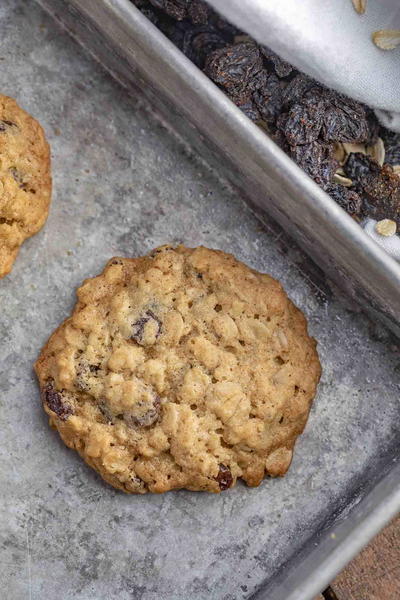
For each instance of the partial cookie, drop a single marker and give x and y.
(25, 182)
(181, 369)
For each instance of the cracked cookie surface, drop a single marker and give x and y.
(25, 182)
(181, 369)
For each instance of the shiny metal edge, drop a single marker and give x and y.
(135, 52)
(308, 573)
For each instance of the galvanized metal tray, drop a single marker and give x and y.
(284, 567)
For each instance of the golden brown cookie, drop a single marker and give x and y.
(181, 369)
(25, 182)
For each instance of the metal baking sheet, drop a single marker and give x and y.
(123, 185)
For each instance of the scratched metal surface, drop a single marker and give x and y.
(123, 185)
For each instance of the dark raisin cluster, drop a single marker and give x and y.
(139, 325)
(305, 118)
(224, 477)
(56, 402)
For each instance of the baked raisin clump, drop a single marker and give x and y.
(224, 477)
(19, 178)
(146, 329)
(56, 402)
(4, 125)
(146, 419)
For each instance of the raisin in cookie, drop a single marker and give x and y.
(25, 183)
(181, 369)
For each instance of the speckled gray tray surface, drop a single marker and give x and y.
(123, 185)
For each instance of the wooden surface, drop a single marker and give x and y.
(375, 573)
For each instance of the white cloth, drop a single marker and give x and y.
(330, 41)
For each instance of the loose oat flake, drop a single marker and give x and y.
(340, 178)
(386, 39)
(386, 227)
(396, 169)
(377, 151)
(360, 6)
